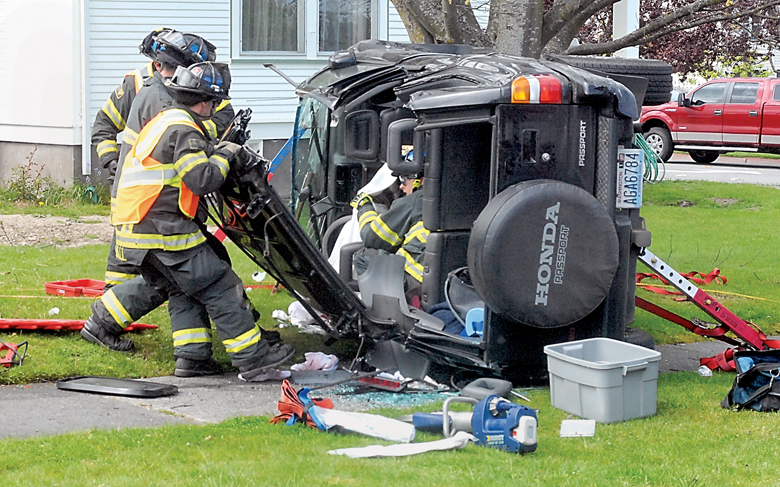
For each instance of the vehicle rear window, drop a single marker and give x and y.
(776, 93)
(744, 93)
(712, 93)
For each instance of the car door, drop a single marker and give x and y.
(741, 120)
(770, 125)
(702, 122)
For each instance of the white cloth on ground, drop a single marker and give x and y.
(459, 440)
(317, 361)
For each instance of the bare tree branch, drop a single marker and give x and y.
(450, 10)
(665, 25)
(428, 14)
(562, 35)
(416, 30)
(568, 13)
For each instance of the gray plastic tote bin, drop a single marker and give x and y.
(603, 379)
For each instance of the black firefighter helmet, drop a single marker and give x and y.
(177, 48)
(207, 79)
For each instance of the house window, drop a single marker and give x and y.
(343, 23)
(272, 25)
(281, 26)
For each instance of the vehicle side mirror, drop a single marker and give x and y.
(396, 159)
(361, 136)
(681, 100)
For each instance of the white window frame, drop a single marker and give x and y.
(310, 32)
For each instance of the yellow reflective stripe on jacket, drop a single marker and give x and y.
(211, 128)
(188, 161)
(222, 164)
(191, 335)
(107, 146)
(140, 75)
(118, 312)
(148, 176)
(417, 231)
(366, 218)
(126, 238)
(222, 105)
(412, 267)
(115, 278)
(129, 136)
(384, 232)
(242, 341)
(111, 112)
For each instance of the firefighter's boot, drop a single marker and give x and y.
(275, 355)
(107, 335)
(186, 367)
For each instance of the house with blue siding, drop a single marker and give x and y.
(62, 59)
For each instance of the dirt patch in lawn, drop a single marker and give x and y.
(27, 230)
(724, 201)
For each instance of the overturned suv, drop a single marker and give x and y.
(521, 160)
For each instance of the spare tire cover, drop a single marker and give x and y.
(543, 253)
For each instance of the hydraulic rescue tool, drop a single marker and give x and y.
(495, 422)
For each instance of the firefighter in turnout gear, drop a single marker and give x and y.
(128, 296)
(172, 165)
(397, 230)
(169, 49)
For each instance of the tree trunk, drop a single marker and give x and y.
(416, 31)
(423, 15)
(517, 26)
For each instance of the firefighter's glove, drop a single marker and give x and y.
(111, 164)
(360, 200)
(228, 150)
(112, 168)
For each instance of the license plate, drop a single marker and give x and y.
(629, 178)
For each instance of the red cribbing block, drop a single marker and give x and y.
(76, 287)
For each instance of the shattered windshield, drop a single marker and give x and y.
(309, 162)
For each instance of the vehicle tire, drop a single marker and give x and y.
(635, 336)
(660, 140)
(704, 156)
(657, 73)
(543, 253)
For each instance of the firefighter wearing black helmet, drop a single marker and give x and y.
(128, 296)
(168, 49)
(171, 165)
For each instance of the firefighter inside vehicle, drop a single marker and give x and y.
(520, 162)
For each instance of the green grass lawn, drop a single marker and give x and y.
(691, 441)
(760, 155)
(700, 226)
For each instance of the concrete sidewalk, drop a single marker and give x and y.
(42, 409)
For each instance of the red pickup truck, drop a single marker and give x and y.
(719, 116)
